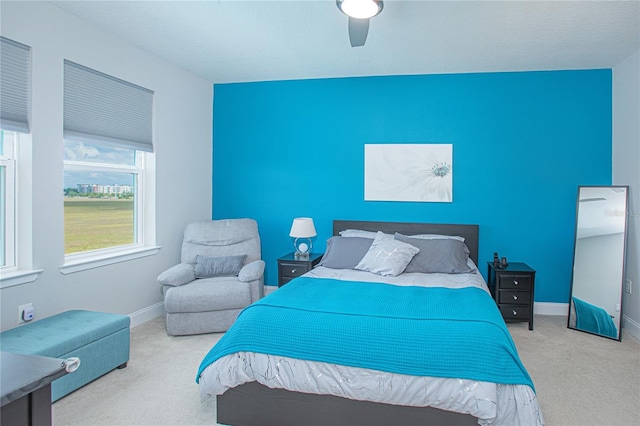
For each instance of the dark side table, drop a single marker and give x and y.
(26, 388)
(512, 289)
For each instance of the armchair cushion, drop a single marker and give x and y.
(252, 271)
(207, 294)
(178, 275)
(223, 266)
(224, 232)
(225, 237)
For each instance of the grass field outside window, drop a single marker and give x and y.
(94, 224)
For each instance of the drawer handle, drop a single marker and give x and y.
(515, 314)
(515, 282)
(515, 297)
(293, 271)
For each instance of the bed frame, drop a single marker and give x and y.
(254, 404)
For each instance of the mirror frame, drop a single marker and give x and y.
(623, 262)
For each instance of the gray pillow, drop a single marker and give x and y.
(345, 252)
(207, 267)
(437, 255)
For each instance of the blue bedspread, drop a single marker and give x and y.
(594, 319)
(439, 332)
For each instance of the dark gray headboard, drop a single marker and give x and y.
(469, 232)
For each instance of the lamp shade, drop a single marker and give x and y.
(302, 227)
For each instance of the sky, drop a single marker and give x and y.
(93, 153)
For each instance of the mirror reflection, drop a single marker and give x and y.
(598, 260)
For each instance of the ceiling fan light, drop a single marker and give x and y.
(360, 9)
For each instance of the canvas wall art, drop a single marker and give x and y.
(408, 172)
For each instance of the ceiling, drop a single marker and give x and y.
(239, 41)
(602, 211)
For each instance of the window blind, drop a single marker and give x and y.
(15, 85)
(102, 108)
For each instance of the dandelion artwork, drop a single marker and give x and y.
(408, 172)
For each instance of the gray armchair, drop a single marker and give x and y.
(214, 281)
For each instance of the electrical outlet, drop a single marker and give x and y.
(25, 313)
(627, 286)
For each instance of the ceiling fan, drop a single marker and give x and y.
(359, 13)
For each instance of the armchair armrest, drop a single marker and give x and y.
(178, 275)
(252, 271)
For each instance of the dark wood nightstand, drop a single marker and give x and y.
(512, 289)
(290, 266)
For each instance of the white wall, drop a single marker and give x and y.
(596, 273)
(183, 148)
(626, 171)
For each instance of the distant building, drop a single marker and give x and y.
(85, 188)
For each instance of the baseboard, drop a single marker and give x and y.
(631, 327)
(548, 308)
(147, 314)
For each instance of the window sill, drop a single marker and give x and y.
(9, 279)
(85, 263)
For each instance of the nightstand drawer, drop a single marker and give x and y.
(515, 297)
(515, 281)
(515, 312)
(284, 280)
(292, 270)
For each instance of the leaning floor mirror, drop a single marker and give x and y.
(598, 260)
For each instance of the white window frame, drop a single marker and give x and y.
(18, 218)
(144, 213)
(8, 164)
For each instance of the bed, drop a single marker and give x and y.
(337, 365)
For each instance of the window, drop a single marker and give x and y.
(16, 256)
(108, 156)
(15, 164)
(8, 145)
(103, 189)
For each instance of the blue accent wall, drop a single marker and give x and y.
(522, 143)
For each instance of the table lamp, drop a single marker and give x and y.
(302, 230)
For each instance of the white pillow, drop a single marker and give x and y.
(387, 257)
(372, 235)
(363, 234)
(437, 237)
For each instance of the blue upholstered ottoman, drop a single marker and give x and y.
(100, 340)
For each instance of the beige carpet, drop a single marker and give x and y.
(580, 379)
(158, 386)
